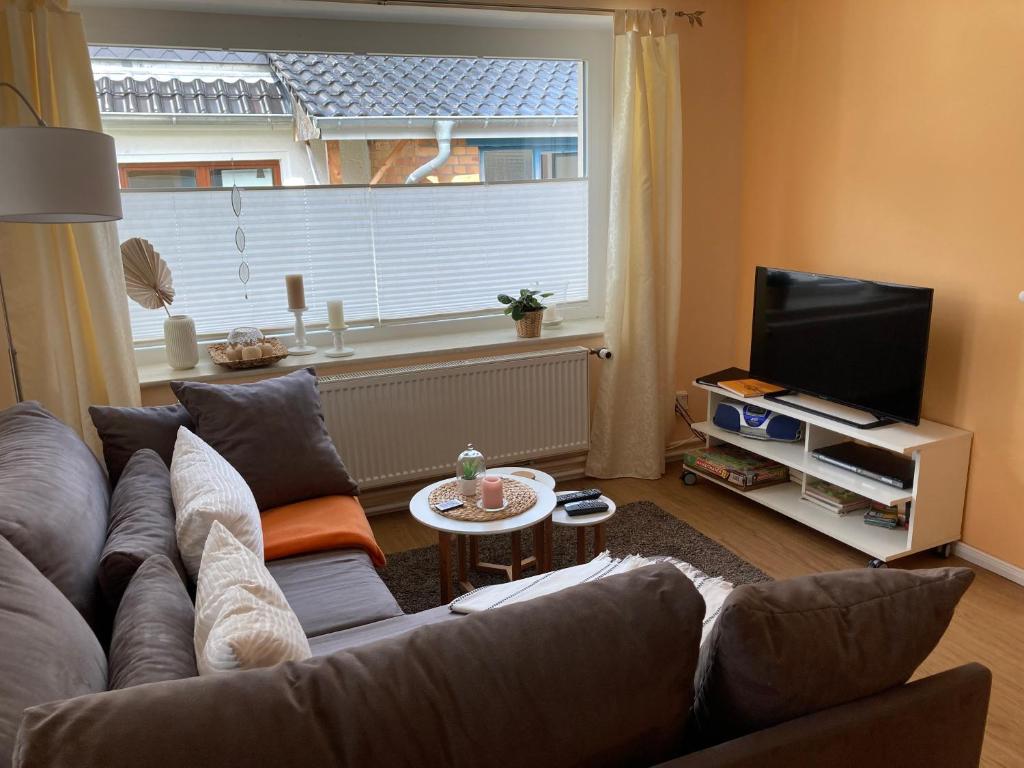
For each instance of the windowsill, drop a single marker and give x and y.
(369, 354)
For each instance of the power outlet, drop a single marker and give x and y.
(682, 398)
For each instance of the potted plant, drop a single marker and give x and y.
(526, 310)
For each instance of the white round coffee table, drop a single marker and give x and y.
(581, 523)
(538, 517)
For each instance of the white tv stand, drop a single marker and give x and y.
(940, 453)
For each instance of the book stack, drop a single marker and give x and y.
(737, 467)
(833, 498)
(894, 516)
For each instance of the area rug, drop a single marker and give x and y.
(640, 527)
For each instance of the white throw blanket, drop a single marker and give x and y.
(713, 589)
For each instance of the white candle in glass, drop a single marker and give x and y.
(335, 314)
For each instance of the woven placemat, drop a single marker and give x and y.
(519, 497)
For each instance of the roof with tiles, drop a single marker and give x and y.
(416, 86)
(335, 85)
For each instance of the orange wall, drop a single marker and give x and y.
(883, 140)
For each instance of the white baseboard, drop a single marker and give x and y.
(989, 563)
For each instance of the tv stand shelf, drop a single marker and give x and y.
(940, 454)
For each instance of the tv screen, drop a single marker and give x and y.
(855, 342)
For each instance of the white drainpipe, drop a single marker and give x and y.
(443, 132)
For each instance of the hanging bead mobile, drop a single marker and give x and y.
(243, 267)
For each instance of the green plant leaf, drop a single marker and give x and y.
(517, 313)
(504, 298)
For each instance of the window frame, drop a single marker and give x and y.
(412, 32)
(203, 168)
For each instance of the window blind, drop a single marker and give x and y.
(389, 252)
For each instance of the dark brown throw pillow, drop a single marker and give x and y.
(790, 648)
(141, 524)
(273, 433)
(153, 628)
(47, 651)
(127, 430)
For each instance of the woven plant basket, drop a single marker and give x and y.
(529, 327)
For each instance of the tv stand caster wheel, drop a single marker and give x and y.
(876, 563)
(943, 551)
(689, 478)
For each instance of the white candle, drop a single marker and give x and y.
(335, 315)
(296, 291)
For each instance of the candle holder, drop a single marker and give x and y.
(301, 347)
(339, 350)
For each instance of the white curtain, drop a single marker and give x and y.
(634, 409)
(64, 283)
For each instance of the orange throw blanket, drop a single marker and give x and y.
(330, 522)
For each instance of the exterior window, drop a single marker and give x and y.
(559, 165)
(508, 165)
(158, 178)
(199, 175)
(365, 173)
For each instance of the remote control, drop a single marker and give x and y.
(568, 497)
(576, 508)
(444, 506)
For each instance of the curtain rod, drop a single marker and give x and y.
(693, 17)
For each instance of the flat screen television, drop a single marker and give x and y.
(857, 342)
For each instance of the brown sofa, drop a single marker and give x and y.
(599, 675)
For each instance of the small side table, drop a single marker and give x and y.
(581, 523)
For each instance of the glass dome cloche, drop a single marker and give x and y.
(470, 469)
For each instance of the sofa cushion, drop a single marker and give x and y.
(127, 430)
(597, 675)
(331, 591)
(789, 648)
(243, 620)
(153, 628)
(47, 651)
(273, 433)
(324, 645)
(315, 525)
(207, 489)
(54, 499)
(141, 524)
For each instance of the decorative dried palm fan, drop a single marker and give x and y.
(146, 276)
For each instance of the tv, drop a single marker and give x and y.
(860, 343)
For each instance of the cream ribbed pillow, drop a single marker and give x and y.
(205, 488)
(243, 620)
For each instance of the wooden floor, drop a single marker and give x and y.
(988, 626)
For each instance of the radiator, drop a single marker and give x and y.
(401, 424)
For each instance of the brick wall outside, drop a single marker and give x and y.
(462, 166)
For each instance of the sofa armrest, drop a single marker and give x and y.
(938, 720)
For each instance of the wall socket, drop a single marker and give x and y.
(682, 398)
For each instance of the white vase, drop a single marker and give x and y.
(468, 487)
(180, 342)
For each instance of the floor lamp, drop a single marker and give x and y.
(53, 176)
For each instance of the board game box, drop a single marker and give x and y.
(736, 466)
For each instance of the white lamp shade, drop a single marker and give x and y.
(58, 176)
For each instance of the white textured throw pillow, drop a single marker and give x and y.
(243, 620)
(207, 489)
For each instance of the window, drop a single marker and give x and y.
(371, 197)
(201, 175)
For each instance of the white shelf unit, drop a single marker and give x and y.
(940, 454)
